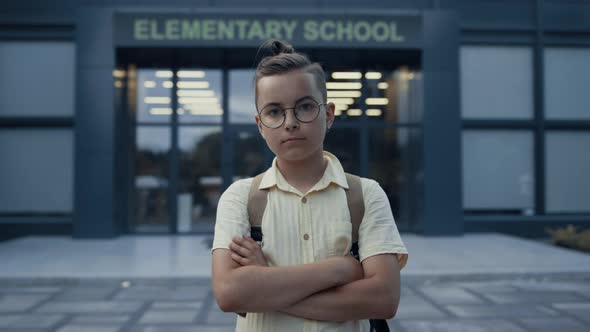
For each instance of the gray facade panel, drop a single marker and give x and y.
(441, 125)
(566, 15)
(500, 14)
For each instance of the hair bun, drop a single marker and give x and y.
(276, 47)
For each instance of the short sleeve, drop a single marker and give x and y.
(232, 214)
(378, 232)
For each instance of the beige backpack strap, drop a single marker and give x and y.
(256, 202)
(356, 204)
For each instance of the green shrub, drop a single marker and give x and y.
(570, 238)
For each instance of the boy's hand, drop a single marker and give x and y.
(245, 251)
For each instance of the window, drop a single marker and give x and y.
(567, 162)
(498, 172)
(496, 82)
(567, 77)
(36, 171)
(37, 78)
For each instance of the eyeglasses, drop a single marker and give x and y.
(273, 116)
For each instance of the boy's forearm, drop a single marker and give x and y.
(362, 299)
(260, 289)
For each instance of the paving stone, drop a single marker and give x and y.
(485, 287)
(90, 307)
(220, 317)
(20, 302)
(554, 324)
(168, 317)
(533, 297)
(415, 307)
(34, 320)
(499, 310)
(83, 294)
(455, 325)
(450, 295)
(177, 305)
(100, 319)
(164, 293)
(580, 310)
(28, 290)
(89, 328)
(191, 328)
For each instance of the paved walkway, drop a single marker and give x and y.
(150, 284)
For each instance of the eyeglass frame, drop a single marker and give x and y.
(294, 113)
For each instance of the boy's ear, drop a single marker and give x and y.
(259, 124)
(330, 110)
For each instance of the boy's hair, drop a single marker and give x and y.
(282, 58)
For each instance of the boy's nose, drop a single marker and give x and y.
(291, 121)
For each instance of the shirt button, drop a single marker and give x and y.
(304, 200)
(306, 237)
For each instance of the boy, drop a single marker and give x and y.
(303, 277)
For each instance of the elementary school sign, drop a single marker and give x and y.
(236, 30)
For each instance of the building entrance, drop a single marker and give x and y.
(191, 131)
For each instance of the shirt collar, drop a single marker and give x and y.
(334, 173)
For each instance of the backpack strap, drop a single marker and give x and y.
(356, 204)
(257, 199)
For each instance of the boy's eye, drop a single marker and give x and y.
(307, 106)
(274, 111)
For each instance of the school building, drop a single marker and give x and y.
(132, 116)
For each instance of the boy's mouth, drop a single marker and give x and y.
(291, 139)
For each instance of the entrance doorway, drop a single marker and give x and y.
(191, 130)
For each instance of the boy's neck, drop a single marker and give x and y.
(303, 174)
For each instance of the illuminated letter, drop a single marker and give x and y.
(380, 31)
(324, 34)
(154, 31)
(290, 28)
(273, 29)
(225, 30)
(393, 34)
(172, 30)
(191, 30)
(255, 31)
(342, 31)
(140, 29)
(310, 30)
(242, 26)
(209, 29)
(357, 31)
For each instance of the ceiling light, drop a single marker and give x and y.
(344, 93)
(164, 73)
(347, 75)
(195, 93)
(377, 101)
(343, 85)
(354, 112)
(191, 74)
(374, 112)
(347, 101)
(160, 111)
(373, 75)
(193, 85)
(156, 100)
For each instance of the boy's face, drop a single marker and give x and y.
(294, 140)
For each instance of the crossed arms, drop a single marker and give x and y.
(336, 289)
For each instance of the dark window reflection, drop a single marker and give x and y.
(344, 144)
(151, 178)
(393, 162)
(249, 151)
(200, 177)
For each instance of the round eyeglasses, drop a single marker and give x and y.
(273, 116)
